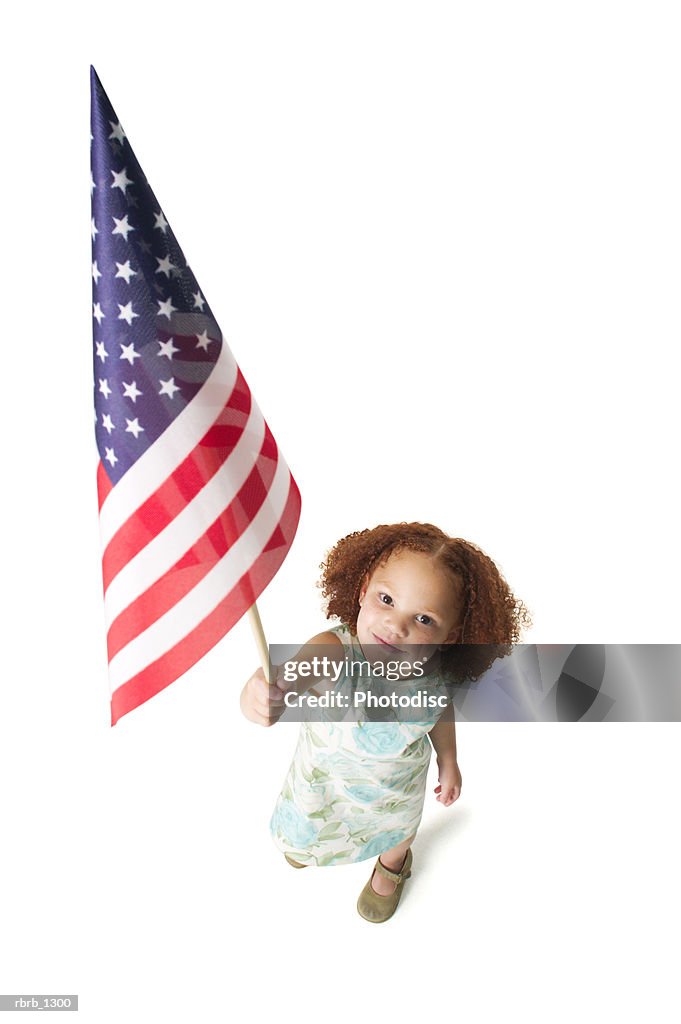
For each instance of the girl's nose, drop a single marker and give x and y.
(396, 626)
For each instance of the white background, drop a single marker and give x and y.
(442, 241)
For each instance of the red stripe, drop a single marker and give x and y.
(199, 559)
(104, 485)
(202, 638)
(182, 485)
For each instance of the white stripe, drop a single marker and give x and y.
(207, 594)
(171, 448)
(171, 543)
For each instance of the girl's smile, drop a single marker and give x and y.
(380, 640)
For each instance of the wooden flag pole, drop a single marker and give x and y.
(259, 637)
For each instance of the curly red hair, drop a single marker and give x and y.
(493, 617)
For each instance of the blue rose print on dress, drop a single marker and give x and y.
(365, 794)
(294, 826)
(379, 738)
(379, 844)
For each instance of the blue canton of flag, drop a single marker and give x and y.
(145, 372)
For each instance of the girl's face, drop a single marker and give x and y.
(408, 604)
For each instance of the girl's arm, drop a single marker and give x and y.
(443, 738)
(262, 702)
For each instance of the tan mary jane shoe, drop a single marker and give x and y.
(376, 908)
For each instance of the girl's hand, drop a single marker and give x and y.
(261, 702)
(449, 777)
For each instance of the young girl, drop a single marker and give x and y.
(356, 790)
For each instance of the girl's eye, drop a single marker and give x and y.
(425, 620)
(385, 598)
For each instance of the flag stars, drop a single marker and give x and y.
(127, 313)
(121, 180)
(203, 341)
(122, 227)
(133, 427)
(118, 134)
(129, 352)
(161, 285)
(167, 348)
(168, 387)
(165, 266)
(166, 308)
(161, 222)
(131, 391)
(125, 271)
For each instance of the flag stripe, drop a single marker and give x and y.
(180, 439)
(182, 485)
(178, 659)
(199, 602)
(104, 485)
(196, 562)
(187, 526)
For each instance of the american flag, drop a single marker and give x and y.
(197, 506)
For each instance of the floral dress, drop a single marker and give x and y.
(354, 789)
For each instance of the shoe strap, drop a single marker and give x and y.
(392, 876)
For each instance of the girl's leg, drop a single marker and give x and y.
(392, 860)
